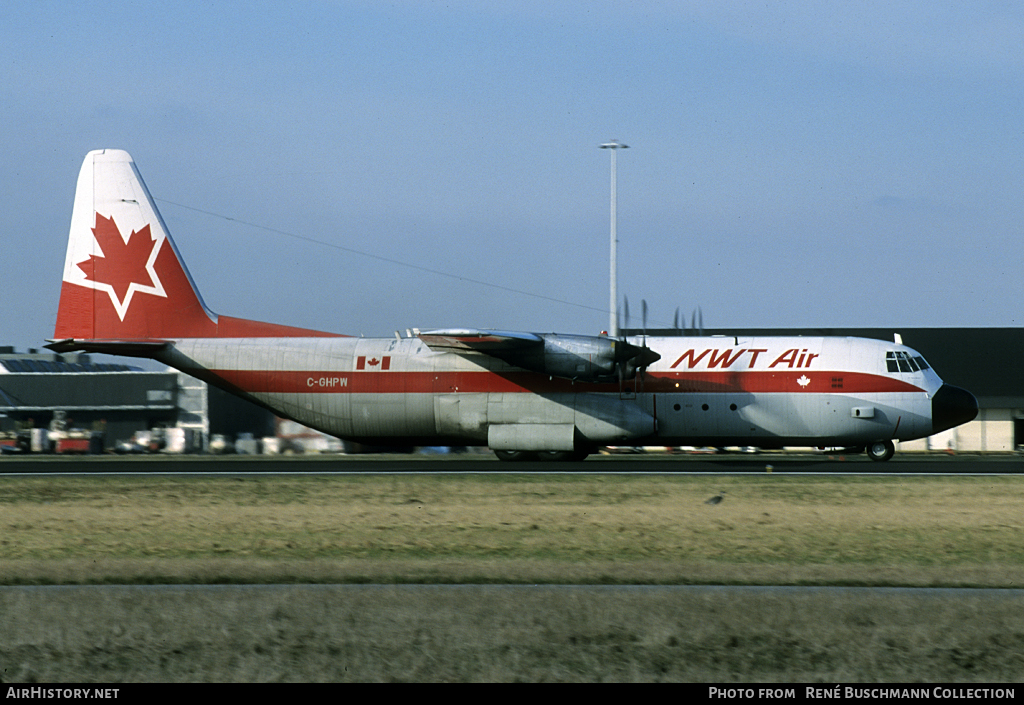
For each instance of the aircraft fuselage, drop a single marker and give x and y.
(703, 391)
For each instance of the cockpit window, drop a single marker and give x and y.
(899, 361)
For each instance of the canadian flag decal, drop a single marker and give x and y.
(373, 363)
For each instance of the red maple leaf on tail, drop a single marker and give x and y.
(122, 263)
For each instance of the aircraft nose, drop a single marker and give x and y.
(952, 406)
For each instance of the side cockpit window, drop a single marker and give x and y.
(899, 361)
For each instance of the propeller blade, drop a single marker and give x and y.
(700, 315)
(643, 318)
(675, 321)
(625, 311)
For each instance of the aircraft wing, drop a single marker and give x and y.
(482, 341)
(576, 357)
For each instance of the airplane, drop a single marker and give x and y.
(526, 395)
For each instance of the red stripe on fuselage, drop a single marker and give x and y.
(775, 382)
(396, 382)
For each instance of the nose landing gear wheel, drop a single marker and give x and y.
(881, 450)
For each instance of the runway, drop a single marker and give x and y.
(469, 463)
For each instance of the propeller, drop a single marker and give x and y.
(640, 356)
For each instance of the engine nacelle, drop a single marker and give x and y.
(585, 358)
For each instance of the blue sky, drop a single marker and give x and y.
(420, 164)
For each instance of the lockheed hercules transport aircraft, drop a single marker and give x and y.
(126, 291)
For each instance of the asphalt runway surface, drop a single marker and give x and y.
(638, 463)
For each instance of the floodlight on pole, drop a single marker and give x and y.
(613, 325)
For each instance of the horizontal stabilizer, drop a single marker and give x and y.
(129, 348)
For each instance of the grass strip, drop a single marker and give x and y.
(771, 529)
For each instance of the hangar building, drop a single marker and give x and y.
(118, 399)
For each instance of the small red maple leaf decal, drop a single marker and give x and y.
(122, 263)
(374, 362)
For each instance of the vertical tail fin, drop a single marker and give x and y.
(123, 276)
(124, 279)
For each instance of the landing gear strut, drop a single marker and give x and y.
(881, 450)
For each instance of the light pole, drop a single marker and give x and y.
(613, 325)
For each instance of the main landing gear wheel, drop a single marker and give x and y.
(515, 456)
(881, 450)
(560, 455)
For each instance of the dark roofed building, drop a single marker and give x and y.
(118, 400)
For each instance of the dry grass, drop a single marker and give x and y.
(477, 633)
(770, 529)
(526, 530)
